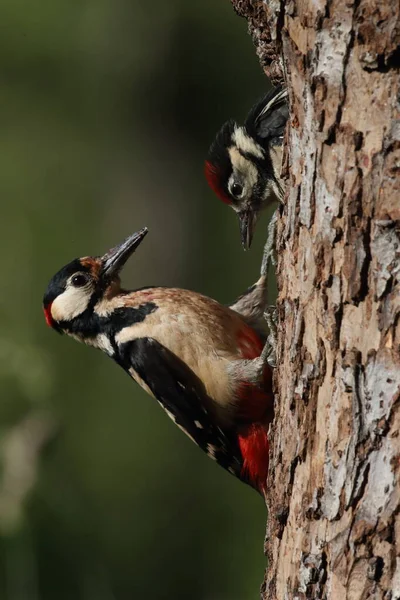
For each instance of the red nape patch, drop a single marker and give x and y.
(254, 447)
(47, 315)
(214, 181)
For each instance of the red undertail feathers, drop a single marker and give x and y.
(256, 409)
(254, 447)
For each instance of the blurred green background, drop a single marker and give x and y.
(107, 111)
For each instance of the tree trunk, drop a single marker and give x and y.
(334, 491)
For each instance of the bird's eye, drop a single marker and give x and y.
(236, 190)
(80, 280)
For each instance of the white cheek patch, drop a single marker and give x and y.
(246, 144)
(244, 167)
(70, 304)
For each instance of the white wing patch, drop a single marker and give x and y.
(140, 381)
(173, 418)
(102, 341)
(211, 451)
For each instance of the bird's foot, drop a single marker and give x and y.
(269, 248)
(268, 354)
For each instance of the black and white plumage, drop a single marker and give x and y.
(243, 166)
(202, 361)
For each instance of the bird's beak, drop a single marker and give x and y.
(114, 259)
(247, 222)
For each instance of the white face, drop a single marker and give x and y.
(75, 299)
(243, 179)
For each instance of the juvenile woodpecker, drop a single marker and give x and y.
(243, 166)
(202, 361)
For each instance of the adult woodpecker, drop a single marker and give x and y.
(243, 166)
(202, 361)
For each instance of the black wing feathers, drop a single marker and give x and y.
(267, 119)
(183, 396)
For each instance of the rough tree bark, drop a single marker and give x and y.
(334, 500)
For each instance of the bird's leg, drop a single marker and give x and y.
(269, 350)
(255, 368)
(269, 248)
(268, 354)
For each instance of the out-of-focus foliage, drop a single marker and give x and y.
(108, 107)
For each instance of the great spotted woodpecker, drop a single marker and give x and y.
(244, 162)
(202, 361)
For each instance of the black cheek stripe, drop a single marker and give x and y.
(89, 324)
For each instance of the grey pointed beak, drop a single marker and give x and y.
(115, 259)
(247, 222)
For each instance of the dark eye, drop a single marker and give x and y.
(236, 190)
(80, 280)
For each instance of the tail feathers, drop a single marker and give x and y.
(254, 447)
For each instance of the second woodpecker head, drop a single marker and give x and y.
(74, 291)
(244, 162)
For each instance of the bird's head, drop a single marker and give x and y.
(235, 171)
(78, 286)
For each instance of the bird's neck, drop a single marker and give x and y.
(98, 326)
